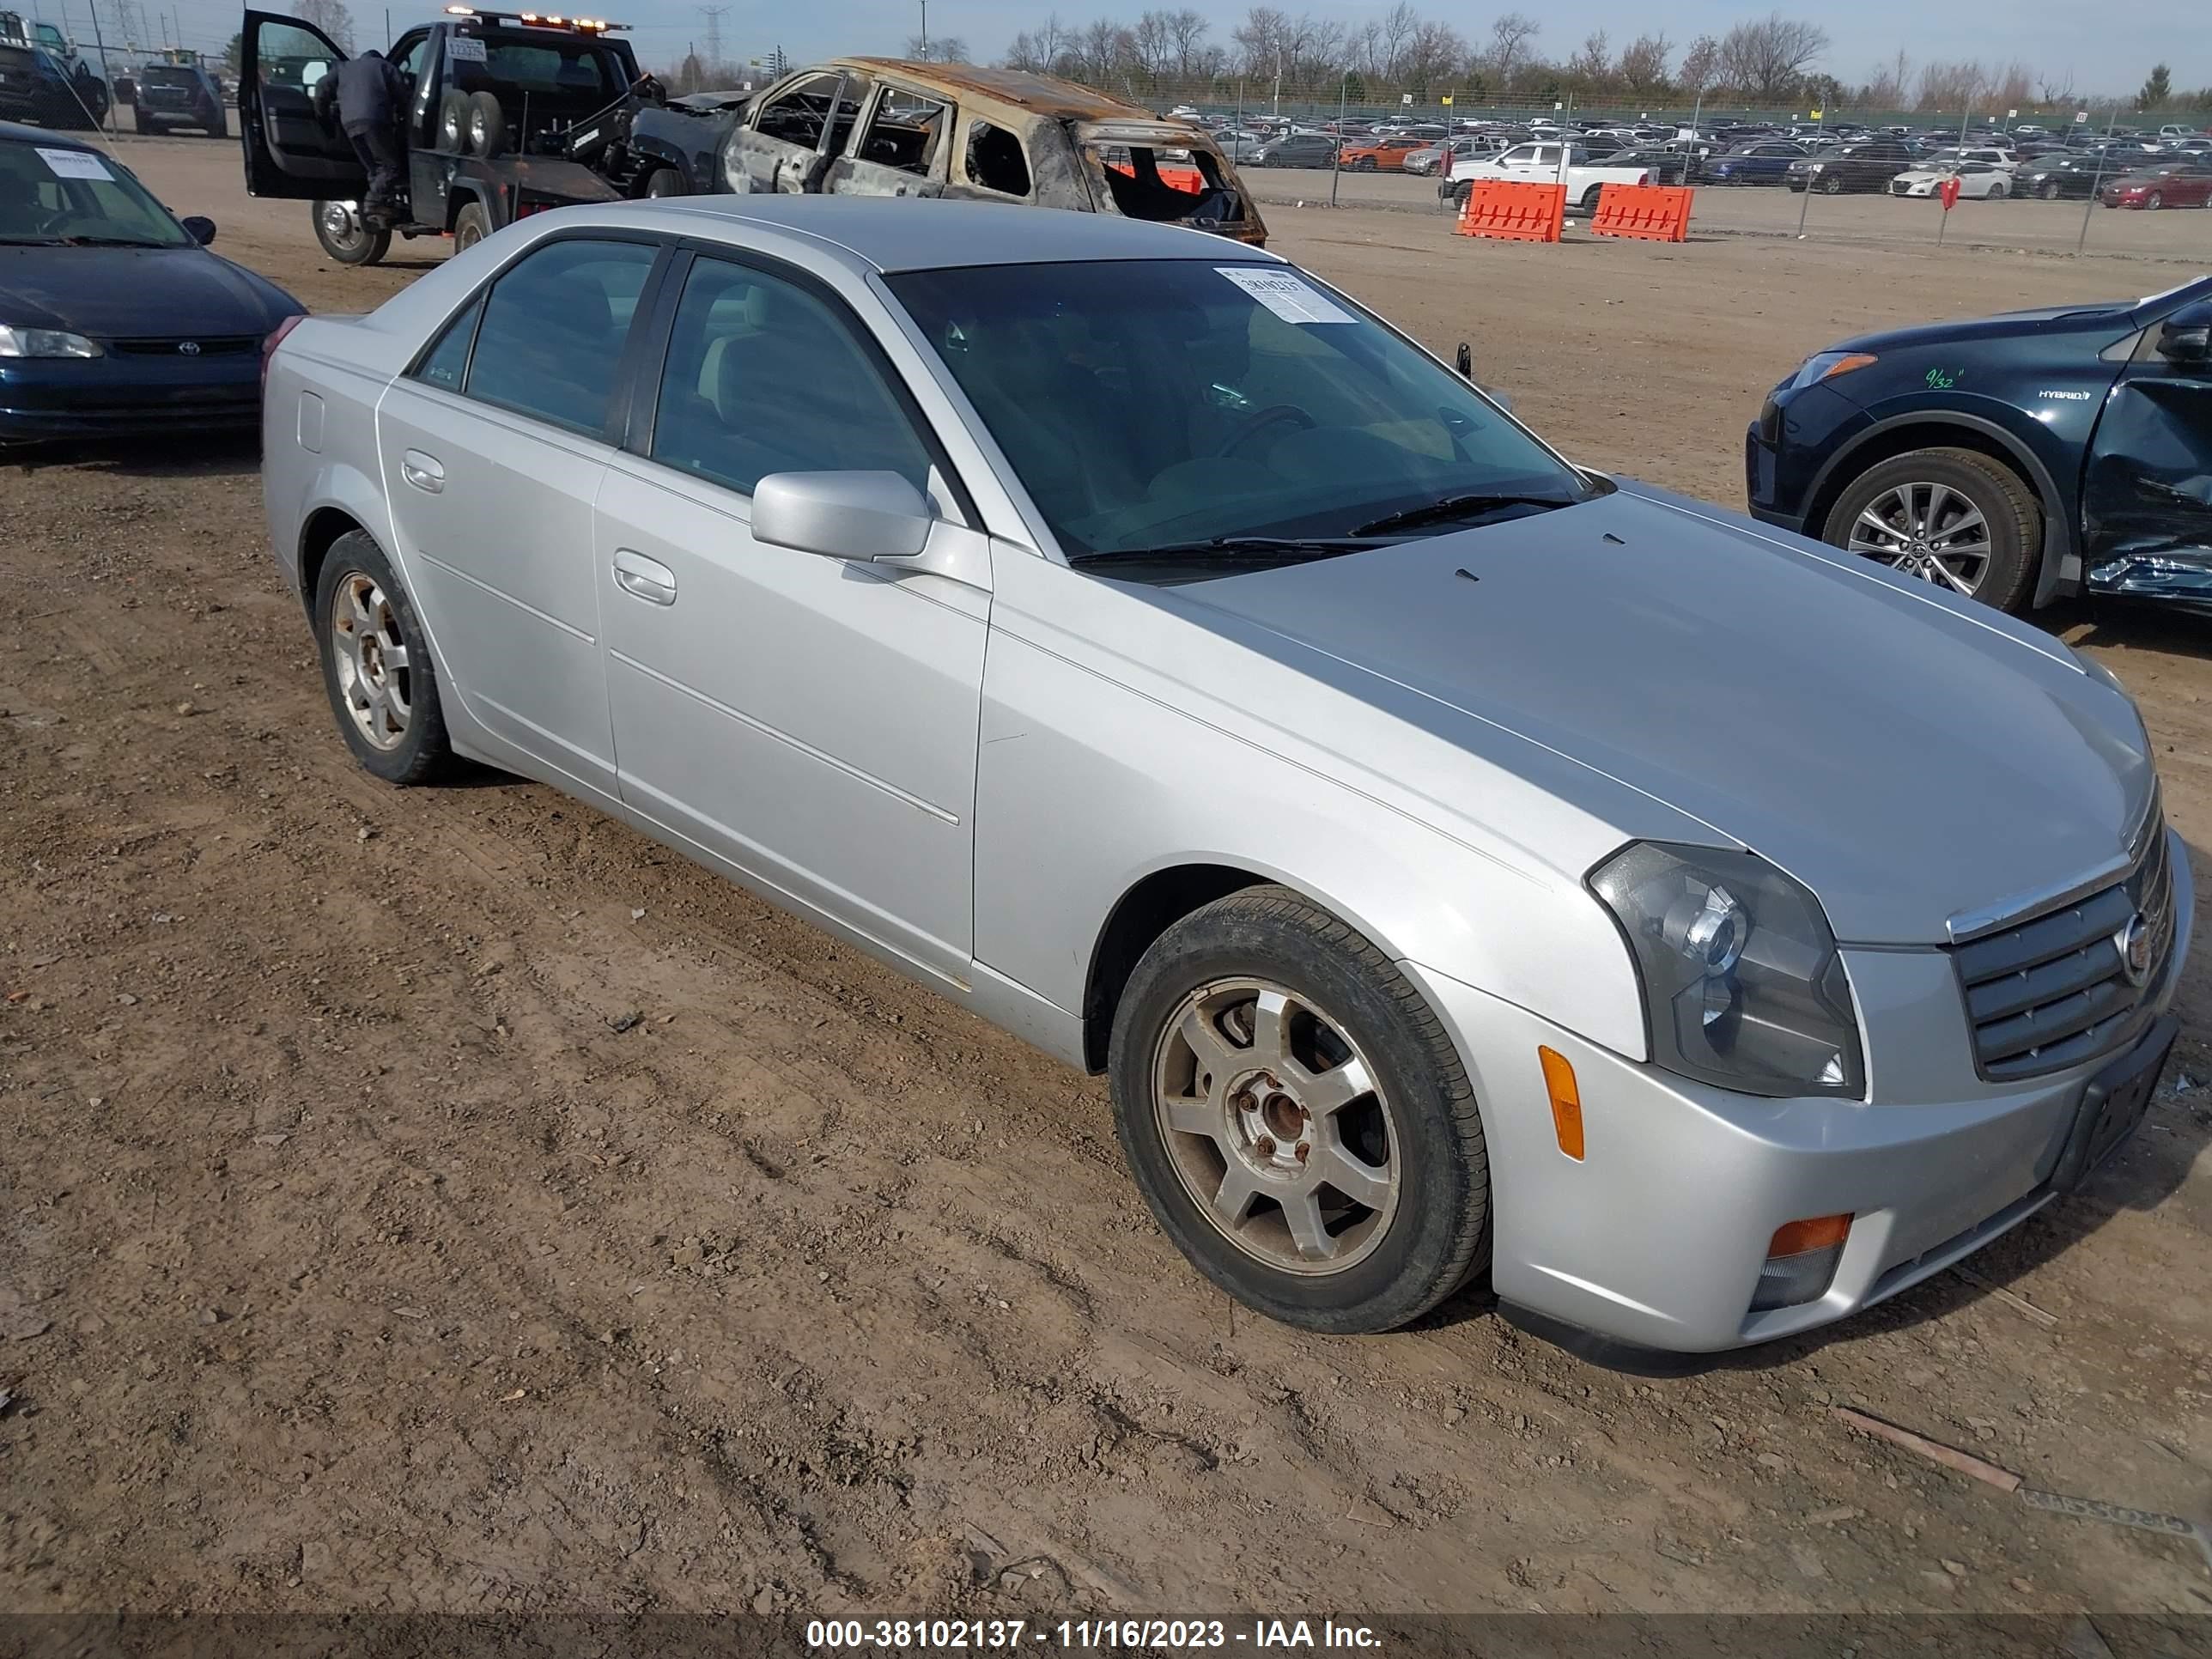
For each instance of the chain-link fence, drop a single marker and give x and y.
(2068, 200)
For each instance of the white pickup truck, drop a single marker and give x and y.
(1542, 163)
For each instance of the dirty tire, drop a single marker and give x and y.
(453, 122)
(423, 755)
(353, 245)
(1438, 1234)
(487, 126)
(470, 226)
(664, 182)
(2051, 191)
(2006, 500)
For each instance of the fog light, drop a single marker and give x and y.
(1801, 1262)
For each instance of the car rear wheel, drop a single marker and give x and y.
(345, 237)
(470, 226)
(487, 126)
(1297, 1118)
(1833, 185)
(662, 182)
(2051, 191)
(1996, 193)
(376, 667)
(1953, 517)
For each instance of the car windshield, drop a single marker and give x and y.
(1159, 403)
(51, 193)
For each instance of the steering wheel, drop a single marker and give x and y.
(1260, 420)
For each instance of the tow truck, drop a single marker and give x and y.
(507, 114)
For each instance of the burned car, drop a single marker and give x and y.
(879, 126)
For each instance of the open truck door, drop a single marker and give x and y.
(289, 154)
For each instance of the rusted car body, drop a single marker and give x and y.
(881, 126)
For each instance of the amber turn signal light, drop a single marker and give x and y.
(1822, 1232)
(1566, 1101)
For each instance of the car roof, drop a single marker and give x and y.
(43, 136)
(923, 234)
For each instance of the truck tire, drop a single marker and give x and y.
(339, 229)
(487, 125)
(453, 123)
(666, 182)
(470, 226)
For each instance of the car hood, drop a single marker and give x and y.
(1909, 757)
(2107, 319)
(111, 292)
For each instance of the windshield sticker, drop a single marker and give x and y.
(73, 163)
(1282, 292)
(463, 49)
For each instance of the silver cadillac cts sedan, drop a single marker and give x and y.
(1461, 864)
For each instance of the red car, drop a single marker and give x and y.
(2186, 182)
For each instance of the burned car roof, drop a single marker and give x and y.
(1040, 95)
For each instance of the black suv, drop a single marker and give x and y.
(2015, 459)
(1870, 164)
(179, 95)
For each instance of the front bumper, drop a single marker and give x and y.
(42, 399)
(1655, 1237)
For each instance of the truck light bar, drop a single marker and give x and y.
(536, 20)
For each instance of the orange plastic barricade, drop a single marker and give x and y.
(1189, 180)
(1508, 211)
(1650, 213)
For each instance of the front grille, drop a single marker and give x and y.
(210, 345)
(2052, 991)
(1896, 188)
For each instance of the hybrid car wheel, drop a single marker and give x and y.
(1297, 1121)
(1953, 517)
(376, 667)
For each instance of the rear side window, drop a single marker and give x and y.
(553, 329)
(995, 161)
(449, 358)
(764, 377)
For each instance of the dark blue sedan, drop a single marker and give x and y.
(1766, 162)
(114, 318)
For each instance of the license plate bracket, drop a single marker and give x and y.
(2113, 1105)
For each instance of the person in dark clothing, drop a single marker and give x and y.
(369, 93)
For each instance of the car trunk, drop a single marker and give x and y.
(1166, 174)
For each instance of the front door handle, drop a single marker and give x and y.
(426, 473)
(646, 578)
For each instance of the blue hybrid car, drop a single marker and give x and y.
(2016, 458)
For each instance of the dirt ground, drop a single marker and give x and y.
(449, 1200)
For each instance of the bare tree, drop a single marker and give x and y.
(1040, 49)
(1701, 66)
(1432, 56)
(1152, 42)
(1643, 66)
(1590, 64)
(938, 49)
(331, 17)
(1949, 85)
(1767, 58)
(1890, 84)
(1397, 28)
(2013, 85)
(1106, 50)
(2056, 88)
(1188, 29)
(1510, 36)
(1262, 40)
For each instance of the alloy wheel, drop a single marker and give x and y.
(1926, 530)
(372, 659)
(1277, 1126)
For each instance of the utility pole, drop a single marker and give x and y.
(2097, 184)
(714, 15)
(925, 31)
(100, 45)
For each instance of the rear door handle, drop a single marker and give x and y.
(426, 473)
(647, 579)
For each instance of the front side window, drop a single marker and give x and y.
(1148, 403)
(553, 329)
(797, 114)
(763, 376)
(285, 55)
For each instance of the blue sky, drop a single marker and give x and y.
(2103, 55)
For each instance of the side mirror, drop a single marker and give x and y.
(200, 228)
(864, 516)
(2185, 337)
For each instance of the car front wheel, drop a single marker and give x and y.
(1297, 1118)
(1953, 517)
(376, 667)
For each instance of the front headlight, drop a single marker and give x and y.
(1828, 364)
(44, 342)
(1743, 986)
